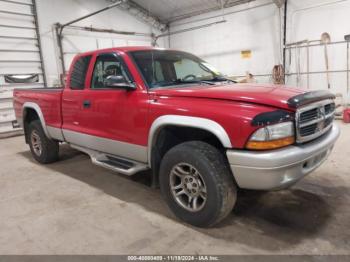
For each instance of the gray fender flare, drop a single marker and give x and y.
(186, 121)
(37, 109)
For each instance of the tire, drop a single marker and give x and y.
(44, 150)
(209, 170)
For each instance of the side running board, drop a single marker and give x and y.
(115, 163)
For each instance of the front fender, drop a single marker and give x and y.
(186, 121)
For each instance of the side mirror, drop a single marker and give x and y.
(119, 81)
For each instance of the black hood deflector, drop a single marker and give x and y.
(309, 97)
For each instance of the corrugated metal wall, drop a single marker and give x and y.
(20, 55)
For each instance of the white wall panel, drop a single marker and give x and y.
(308, 20)
(222, 44)
(139, 43)
(19, 54)
(104, 43)
(257, 29)
(53, 11)
(119, 42)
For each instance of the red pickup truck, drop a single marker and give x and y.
(202, 135)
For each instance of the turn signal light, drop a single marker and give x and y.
(273, 144)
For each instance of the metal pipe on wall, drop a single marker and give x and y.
(226, 14)
(38, 37)
(190, 29)
(60, 50)
(91, 14)
(319, 72)
(294, 45)
(298, 65)
(59, 30)
(308, 65)
(347, 39)
(110, 31)
(285, 37)
(347, 68)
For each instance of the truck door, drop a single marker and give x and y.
(111, 119)
(73, 95)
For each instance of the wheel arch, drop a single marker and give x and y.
(186, 121)
(30, 106)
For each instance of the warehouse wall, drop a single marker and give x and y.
(53, 11)
(19, 54)
(255, 29)
(308, 20)
(258, 29)
(17, 61)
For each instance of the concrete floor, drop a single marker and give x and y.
(74, 207)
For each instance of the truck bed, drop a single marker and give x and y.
(48, 100)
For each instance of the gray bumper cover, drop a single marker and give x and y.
(280, 168)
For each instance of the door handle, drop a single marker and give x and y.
(86, 104)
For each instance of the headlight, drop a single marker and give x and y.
(273, 136)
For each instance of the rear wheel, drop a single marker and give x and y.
(43, 149)
(197, 184)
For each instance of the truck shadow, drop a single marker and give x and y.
(263, 220)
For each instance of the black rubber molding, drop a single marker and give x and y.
(272, 117)
(309, 97)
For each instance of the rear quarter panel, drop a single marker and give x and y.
(48, 100)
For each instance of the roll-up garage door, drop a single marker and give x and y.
(21, 64)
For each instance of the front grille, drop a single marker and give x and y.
(309, 115)
(314, 120)
(308, 130)
(329, 108)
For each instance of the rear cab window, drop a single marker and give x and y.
(78, 74)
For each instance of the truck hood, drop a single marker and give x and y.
(266, 94)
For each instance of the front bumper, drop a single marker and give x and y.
(278, 169)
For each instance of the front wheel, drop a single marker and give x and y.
(43, 149)
(197, 184)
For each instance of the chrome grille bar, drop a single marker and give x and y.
(314, 120)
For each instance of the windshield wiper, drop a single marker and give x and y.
(197, 81)
(221, 79)
(181, 82)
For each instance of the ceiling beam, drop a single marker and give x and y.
(142, 14)
(226, 4)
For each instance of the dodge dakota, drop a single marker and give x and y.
(201, 135)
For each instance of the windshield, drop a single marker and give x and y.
(162, 68)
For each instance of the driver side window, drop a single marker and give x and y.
(107, 65)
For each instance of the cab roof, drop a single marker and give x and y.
(122, 49)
